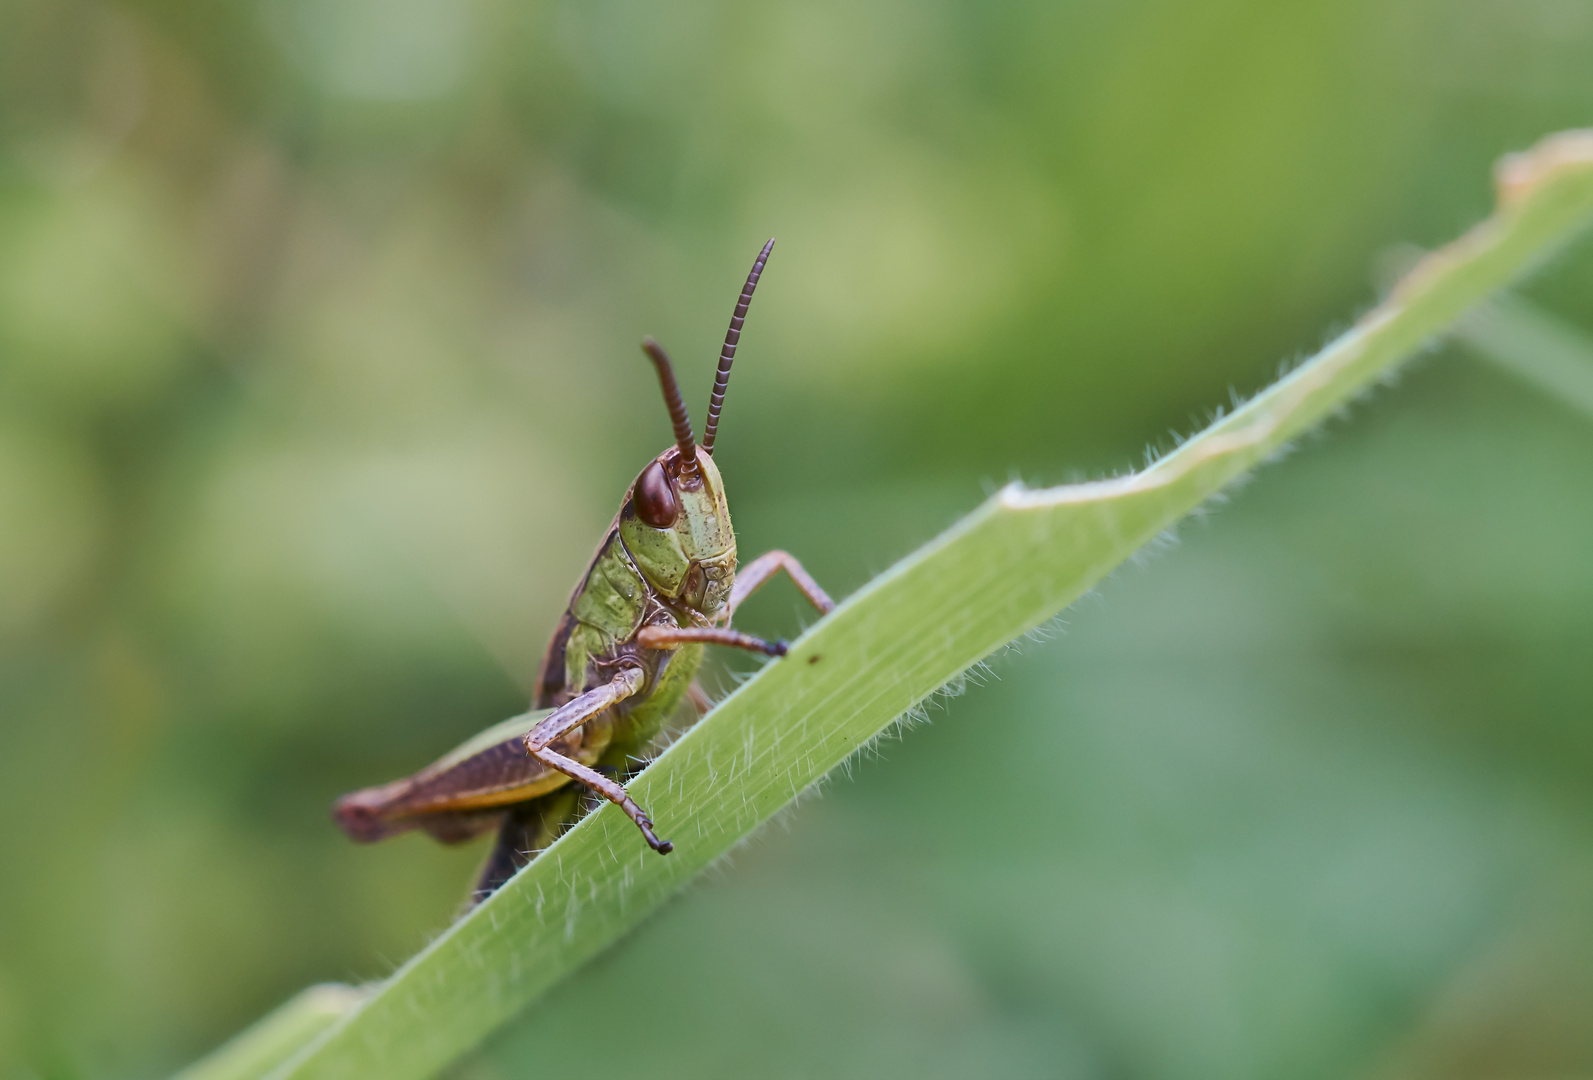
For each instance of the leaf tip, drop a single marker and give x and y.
(1518, 175)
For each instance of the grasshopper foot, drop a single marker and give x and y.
(663, 847)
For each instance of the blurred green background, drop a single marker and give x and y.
(319, 380)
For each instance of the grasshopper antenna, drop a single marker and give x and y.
(727, 355)
(677, 411)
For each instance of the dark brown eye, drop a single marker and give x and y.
(655, 499)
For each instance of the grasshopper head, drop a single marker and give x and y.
(677, 528)
(675, 521)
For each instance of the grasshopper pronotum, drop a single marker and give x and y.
(625, 653)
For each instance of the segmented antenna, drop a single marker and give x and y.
(727, 355)
(677, 408)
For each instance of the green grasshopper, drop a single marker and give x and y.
(623, 658)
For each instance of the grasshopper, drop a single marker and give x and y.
(623, 659)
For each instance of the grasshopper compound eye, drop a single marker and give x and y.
(655, 499)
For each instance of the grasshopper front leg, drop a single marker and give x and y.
(753, 576)
(748, 580)
(626, 684)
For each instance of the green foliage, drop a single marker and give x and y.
(319, 380)
(1000, 573)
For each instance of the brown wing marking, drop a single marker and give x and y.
(499, 775)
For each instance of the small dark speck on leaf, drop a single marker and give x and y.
(814, 659)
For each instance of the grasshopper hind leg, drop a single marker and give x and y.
(510, 851)
(527, 830)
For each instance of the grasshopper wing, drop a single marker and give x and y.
(448, 798)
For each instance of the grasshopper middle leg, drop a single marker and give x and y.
(569, 717)
(609, 790)
(672, 637)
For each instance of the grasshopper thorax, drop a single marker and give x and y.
(677, 529)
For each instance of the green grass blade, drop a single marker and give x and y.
(1536, 347)
(277, 1036)
(1010, 566)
